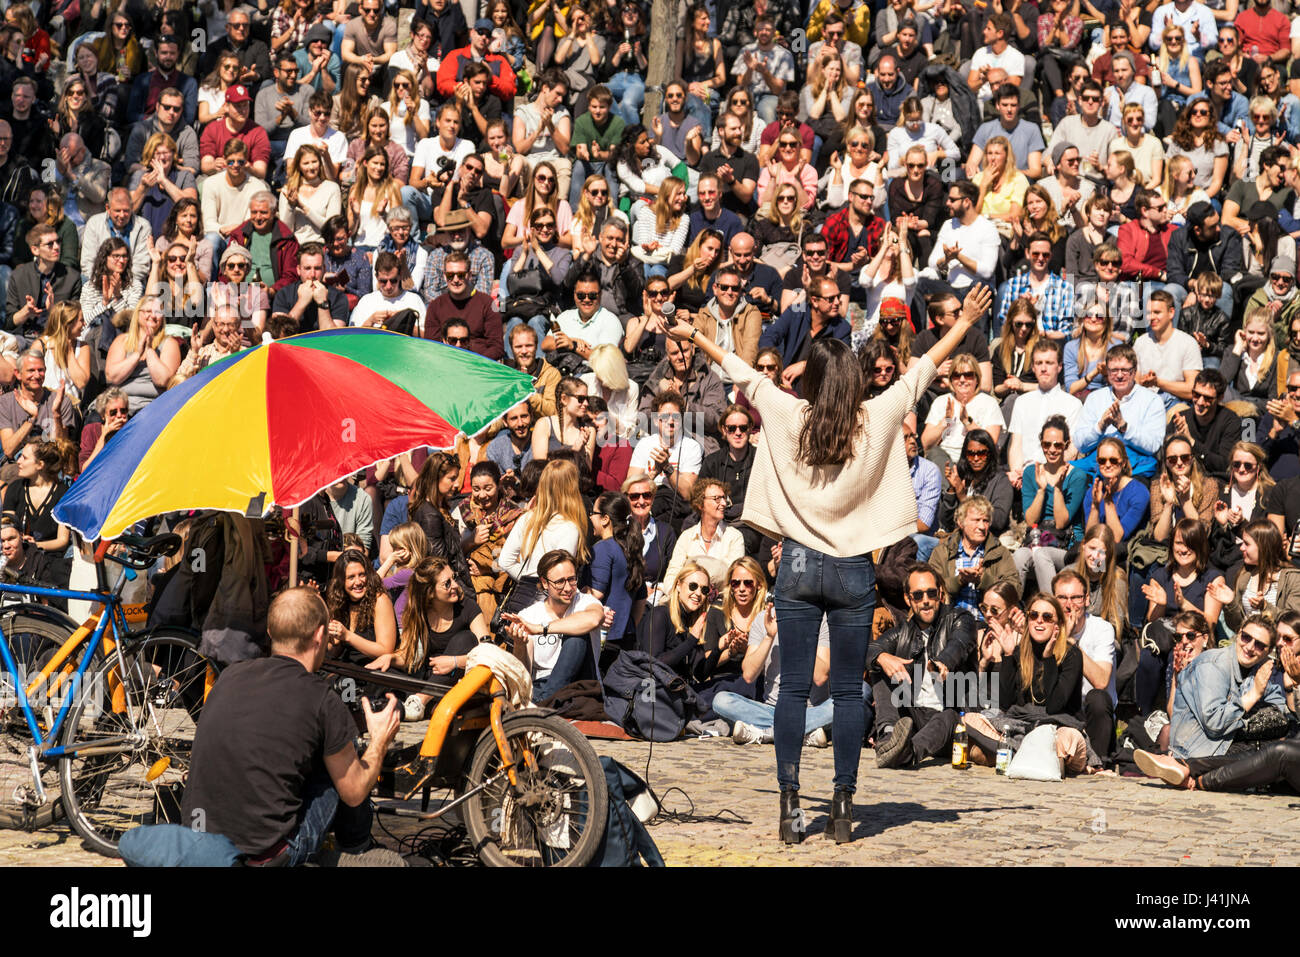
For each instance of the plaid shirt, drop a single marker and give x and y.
(969, 596)
(1055, 303)
(480, 271)
(840, 243)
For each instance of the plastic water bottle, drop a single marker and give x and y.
(960, 745)
(1004, 750)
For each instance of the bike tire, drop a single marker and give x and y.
(34, 636)
(105, 795)
(557, 818)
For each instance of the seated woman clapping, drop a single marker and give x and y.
(362, 623)
(1041, 683)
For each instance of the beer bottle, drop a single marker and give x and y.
(1004, 750)
(960, 745)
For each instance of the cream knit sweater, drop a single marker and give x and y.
(864, 504)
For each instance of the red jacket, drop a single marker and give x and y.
(503, 77)
(284, 251)
(1145, 254)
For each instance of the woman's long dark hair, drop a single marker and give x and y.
(625, 151)
(832, 383)
(336, 596)
(170, 229)
(873, 352)
(627, 532)
(1270, 231)
(964, 470)
(97, 273)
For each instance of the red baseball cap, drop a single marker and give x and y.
(238, 93)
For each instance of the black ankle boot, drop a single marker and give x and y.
(792, 822)
(841, 823)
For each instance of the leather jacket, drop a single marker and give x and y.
(952, 641)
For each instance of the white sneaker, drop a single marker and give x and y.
(413, 708)
(746, 734)
(816, 739)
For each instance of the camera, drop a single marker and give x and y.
(378, 701)
(445, 164)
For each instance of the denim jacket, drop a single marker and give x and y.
(1207, 704)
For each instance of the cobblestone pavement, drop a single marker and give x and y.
(932, 816)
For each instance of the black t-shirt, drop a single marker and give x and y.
(36, 522)
(975, 343)
(458, 639)
(490, 107)
(335, 299)
(794, 278)
(267, 726)
(743, 166)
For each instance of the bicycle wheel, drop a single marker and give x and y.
(144, 720)
(556, 816)
(34, 635)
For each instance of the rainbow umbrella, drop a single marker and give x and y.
(276, 424)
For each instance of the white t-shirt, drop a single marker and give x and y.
(983, 409)
(398, 131)
(373, 302)
(530, 116)
(430, 149)
(1032, 409)
(546, 648)
(1010, 59)
(333, 142)
(603, 329)
(1178, 354)
(213, 96)
(1098, 643)
(687, 455)
(559, 532)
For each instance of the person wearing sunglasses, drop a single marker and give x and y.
(800, 327)
(1229, 719)
(657, 536)
(909, 667)
(1125, 89)
(579, 330)
(690, 634)
(668, 455)
(1052, 493)
(381, 308)
(729, 320)
(1044, 673)
(954, 415)
(732, 463)
(559, 635)
(711, 543)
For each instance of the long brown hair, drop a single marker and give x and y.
(832, 383)
(415, 616)
(1007, 343)
(1056, 649)
(1113, 607)
(664, 215)
(425, 487)
(336, 596)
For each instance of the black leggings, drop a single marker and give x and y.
(1273, 762)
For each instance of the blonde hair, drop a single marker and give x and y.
(410, 537)
(294, 179)
(152, 146)
(63, 316)
(557, 494)
(1260, 314)
(1163, 57)
(760, 585)
(690, 568)
(1175, 166)
(1008, 167)
(131, 338)
(607, 363)
(664, 215)
(1125, 160)
(1057, 649)
(586, 213)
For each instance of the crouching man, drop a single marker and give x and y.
(910, 667)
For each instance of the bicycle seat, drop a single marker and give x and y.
(145, 551)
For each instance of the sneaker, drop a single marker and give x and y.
(746, 734)
(890, 751)
(1162, 766)
(412, 708)
(816, 739)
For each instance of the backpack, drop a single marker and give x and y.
(647, 698)
(626, 842)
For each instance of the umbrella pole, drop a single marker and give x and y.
(294, 533)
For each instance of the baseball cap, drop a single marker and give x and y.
(237, 93)
(484, 25)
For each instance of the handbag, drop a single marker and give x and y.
(1266, 723)
(1144, 552)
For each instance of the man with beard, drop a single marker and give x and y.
(457, 236)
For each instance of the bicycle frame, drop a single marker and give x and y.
(116, 619)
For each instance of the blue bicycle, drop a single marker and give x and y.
(97, 720)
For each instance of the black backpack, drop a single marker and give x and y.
(647, 698)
